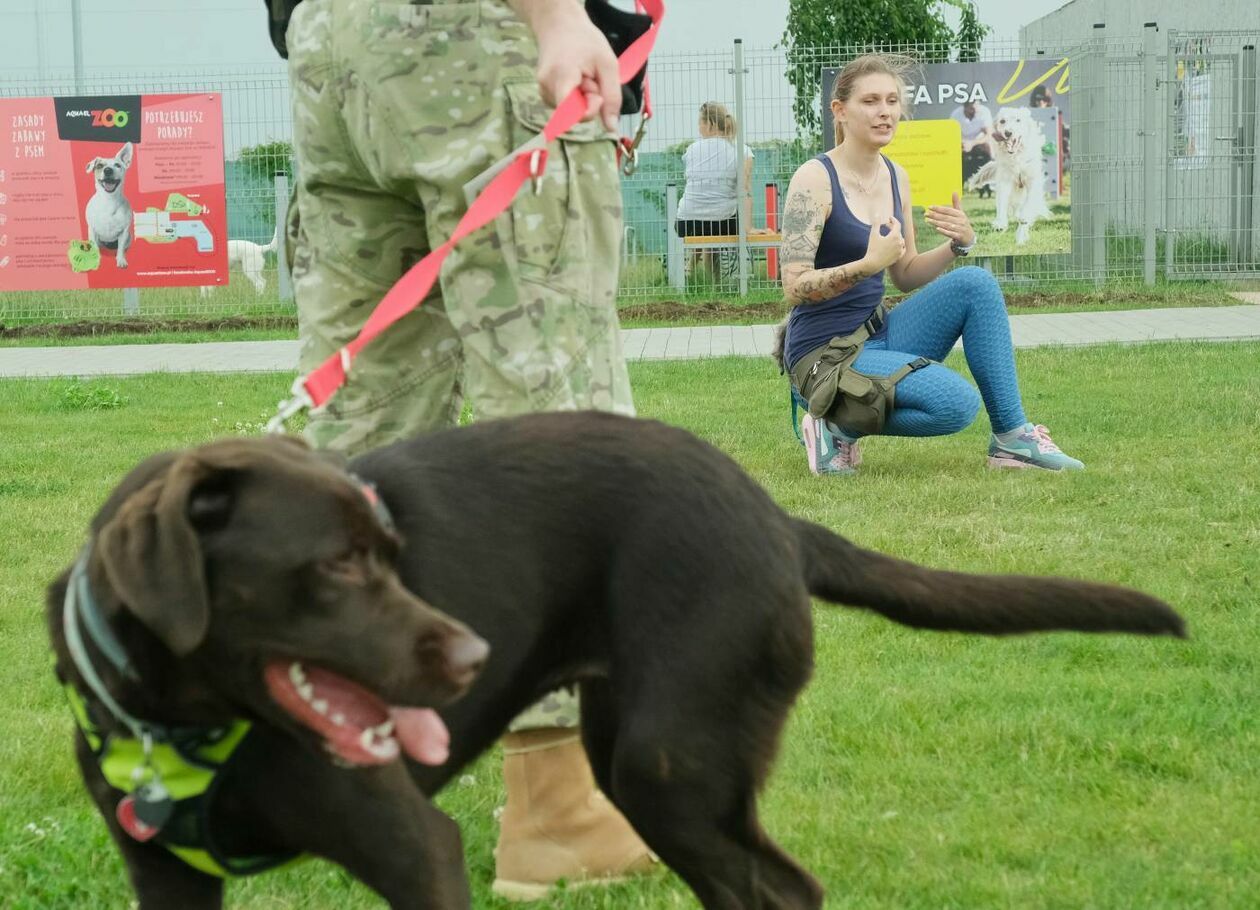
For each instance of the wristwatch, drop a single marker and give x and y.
(959, 250)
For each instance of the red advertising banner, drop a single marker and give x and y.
(119, 191)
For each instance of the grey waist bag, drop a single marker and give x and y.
(833, 390)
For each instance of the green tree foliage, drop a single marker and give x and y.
(268, 159)
(970, 34)
(261, 164)
(819, 32)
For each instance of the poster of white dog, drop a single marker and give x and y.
(1016, 159)
(1014, 117)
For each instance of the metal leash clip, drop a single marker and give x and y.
(299, 401)
(473, 188)
(537, 164)
(631, 161)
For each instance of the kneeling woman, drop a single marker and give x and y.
(846, 219)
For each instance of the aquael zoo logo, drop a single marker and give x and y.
(110, 117)
(107, 117)
(101, 118)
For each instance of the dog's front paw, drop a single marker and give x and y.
(1000, 225)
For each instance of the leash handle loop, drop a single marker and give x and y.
(299, 401)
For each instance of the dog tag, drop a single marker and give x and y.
(154, 805)
(143, 813)
(126, 815)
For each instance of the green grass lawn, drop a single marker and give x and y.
(920, 770)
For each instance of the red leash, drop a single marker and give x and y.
(526, 163)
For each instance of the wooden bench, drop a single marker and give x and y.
(676, 247)
(705, 243)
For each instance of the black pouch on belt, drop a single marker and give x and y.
(622, 28)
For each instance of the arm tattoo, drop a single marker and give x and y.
(818, 285)
(803, 219)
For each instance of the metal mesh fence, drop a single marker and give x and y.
(1159, 157)
(1211, 207)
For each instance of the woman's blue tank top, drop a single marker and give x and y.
(844, 239)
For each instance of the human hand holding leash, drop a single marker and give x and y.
(572, 52)
(951, 221)
(884, 249)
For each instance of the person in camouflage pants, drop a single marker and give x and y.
(395, 106)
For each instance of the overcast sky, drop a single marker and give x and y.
(711, 24)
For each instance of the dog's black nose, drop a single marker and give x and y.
(465, 656)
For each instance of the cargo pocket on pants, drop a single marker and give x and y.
(555, 234)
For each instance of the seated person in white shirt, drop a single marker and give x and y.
(709, 200)
(976, 121)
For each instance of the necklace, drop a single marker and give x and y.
(866, 186)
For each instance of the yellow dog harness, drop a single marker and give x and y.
(168, 775)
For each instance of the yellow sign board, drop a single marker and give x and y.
(931, 153)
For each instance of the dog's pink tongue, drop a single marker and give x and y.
(422, 734)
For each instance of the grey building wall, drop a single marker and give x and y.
(1073, 22)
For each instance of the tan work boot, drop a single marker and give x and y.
(557, 824)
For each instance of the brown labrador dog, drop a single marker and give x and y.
(623, 555)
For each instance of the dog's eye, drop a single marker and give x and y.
(352, 567)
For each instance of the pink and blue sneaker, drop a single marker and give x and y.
(1031, 448)
(828, 450)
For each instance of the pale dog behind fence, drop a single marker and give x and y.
(251, 259)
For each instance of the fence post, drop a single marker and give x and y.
(131, 301)
(1150, 147)
(1098, 136)
(282, 240)
(673, 243)
(76, 41)
(1247, 154)
(1170, 104)
(741, 185)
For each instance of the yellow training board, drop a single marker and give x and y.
(931, 153)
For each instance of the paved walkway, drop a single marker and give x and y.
(1230, 323)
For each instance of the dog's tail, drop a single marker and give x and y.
(275, 238)
(840, 571)
(780, 340)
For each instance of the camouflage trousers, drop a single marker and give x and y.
(395, 106)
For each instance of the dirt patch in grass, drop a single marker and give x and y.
(90, 327)
(692, 311)
(716, 311)
(1114, 299)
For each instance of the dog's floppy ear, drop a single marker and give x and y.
(124, 155)
(152, 556)
(92, 165)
